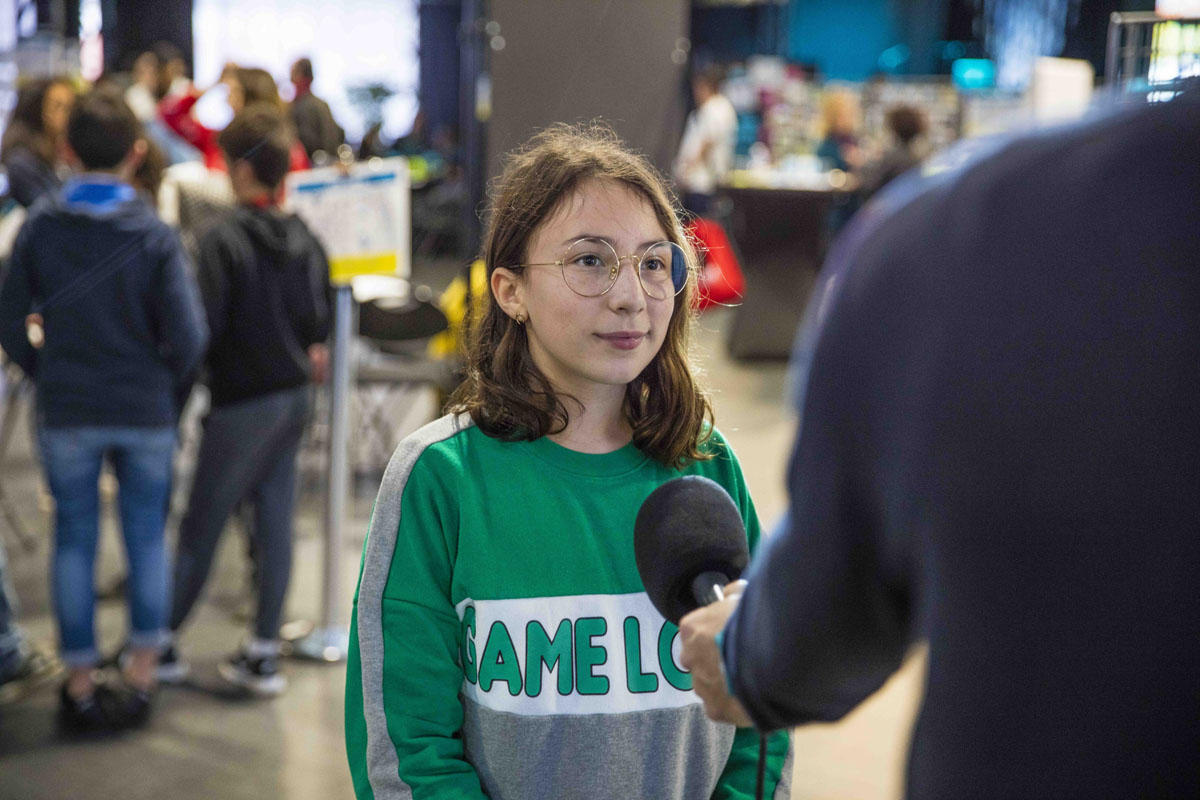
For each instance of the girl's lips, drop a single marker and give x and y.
(623, 340)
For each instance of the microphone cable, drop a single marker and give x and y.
(762, 765)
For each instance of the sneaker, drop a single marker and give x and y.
(260, 675)
(171, 668)
(38, 668)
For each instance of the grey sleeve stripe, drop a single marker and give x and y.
(783, 789)
(383, 765)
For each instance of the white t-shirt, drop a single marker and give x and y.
(714, 124)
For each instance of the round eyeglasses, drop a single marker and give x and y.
(590, 268)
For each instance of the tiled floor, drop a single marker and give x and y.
(207, 742)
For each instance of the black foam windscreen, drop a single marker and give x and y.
(686, 527)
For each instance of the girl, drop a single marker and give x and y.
(503, 645)
(32, 147)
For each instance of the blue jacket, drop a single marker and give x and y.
(123, 323)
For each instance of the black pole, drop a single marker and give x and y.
(473, 139)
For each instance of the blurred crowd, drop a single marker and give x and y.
(113, 322)
(808, 137)
(86, 172)
(164, 100)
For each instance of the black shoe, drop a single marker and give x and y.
(259, 675)
(99, 712)
(131, 704)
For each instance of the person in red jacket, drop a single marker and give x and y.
(246, 87)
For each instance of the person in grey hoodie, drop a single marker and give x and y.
(265, 283)
(98, 309)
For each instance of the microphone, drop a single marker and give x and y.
(689, 541)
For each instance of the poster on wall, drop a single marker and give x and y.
(360, 215)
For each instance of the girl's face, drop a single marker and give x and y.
(56, 108)
(589, 344)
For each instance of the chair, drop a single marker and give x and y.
(392, 368)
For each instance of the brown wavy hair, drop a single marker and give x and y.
(504, 391)
(26, 127)
(259, 87)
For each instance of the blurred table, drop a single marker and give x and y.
(781, 237)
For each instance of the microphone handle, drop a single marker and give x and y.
(707, 587)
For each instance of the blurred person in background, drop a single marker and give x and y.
(12, 642)
(152, 79)
(906, 127)
(32, 148)
(143, 93)
(172, 71)
(315, 125)
(175, 111)
(259, 87)
(839, 149)
(246, 86)
(264, 280)
(98, 309)
(22, 666)
(706, 150)
(32, 154)
(148, 177)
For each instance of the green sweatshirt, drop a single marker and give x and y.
(503, 646)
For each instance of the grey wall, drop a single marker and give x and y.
(570, 60)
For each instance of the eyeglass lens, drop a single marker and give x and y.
(590, 268)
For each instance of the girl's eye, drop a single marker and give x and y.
(590, 260)
(654, 263)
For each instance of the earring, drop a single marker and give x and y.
(520, 317)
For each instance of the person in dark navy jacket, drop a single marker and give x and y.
(99, 310)
(1000, 455)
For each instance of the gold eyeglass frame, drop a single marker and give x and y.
(615, 273)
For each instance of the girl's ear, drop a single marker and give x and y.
(509, 291)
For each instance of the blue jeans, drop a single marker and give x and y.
(141, 459)
(12, 643)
